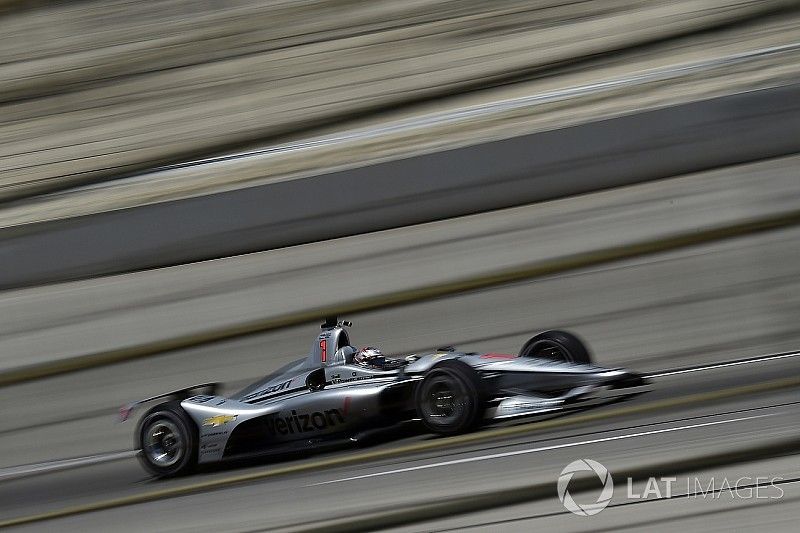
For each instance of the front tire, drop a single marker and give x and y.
(450, 399)
(167, 441)
(557, 346)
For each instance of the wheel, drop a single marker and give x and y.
(558, 346)
(167, 440)
(450, 399)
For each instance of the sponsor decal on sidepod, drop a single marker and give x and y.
(303, 422)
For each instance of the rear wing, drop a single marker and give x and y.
(203, 388)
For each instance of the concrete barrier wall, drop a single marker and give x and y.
(536, 167)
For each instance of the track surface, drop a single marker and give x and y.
(727, 300)
(703, 304)
(537, 456)
(698, 305)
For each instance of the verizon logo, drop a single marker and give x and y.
(303, 422)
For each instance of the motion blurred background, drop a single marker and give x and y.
(186, 187)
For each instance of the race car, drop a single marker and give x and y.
(338, 394)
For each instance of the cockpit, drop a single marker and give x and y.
(333, 348)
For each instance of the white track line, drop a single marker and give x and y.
(540, 449)
(62, 464)
(723, 365)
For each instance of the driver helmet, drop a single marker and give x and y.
(367, 355)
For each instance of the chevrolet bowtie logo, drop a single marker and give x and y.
(218, 420)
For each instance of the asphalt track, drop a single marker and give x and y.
(732, 298)
(699, 305)
(671, 423)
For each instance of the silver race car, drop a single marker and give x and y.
(339, 394)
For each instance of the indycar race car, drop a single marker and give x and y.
(337, 394)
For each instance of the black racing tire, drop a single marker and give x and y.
(450, 399)
(167, 440)
(558, 346)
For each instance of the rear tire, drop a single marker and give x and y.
(167, 441)
(450, 399)
(557, 346)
